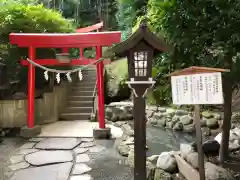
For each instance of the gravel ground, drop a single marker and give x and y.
(107, 164)
(7, 147)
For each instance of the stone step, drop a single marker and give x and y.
(86, 83)
(84, 88)
(80, 103)
(81, 93)
(78, 110)
(80, 98)
(89, 74)
(75, 116)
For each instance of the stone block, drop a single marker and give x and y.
(99, 133)
(30, 132)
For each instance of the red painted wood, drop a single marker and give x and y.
(31, 88)
(54, 40)
(100, 84)
(90, 28)
(65, 50)
(81, 52)
(54, 62)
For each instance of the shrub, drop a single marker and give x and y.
(19, 17)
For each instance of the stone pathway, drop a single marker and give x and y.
(68, 159)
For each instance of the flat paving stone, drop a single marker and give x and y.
(80, 169)
(36, 139)
(87, 139)
(87, 144)
(82, 177)
(80, 150)
(58, 144)
(82, 158)
(28, 145)
(21, 165)
(96, 149)
(17, 159)
(41, 158)
(51, 172)
(26, 151)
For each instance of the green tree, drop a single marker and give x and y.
(20, 17)
(204, 32)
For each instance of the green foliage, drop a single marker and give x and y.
(20, 17)
(202, 33)
(85, 12)
(128, 13)
(162, 89)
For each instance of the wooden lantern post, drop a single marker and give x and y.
(195, 86)
(139, 49)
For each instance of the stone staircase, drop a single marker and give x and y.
(80, 99)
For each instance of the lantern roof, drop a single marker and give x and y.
(143, 33)
(197, 70)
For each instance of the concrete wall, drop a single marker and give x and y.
(13, 113)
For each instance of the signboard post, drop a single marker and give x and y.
(196, 86)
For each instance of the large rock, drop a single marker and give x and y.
(123, 149)
(236, 117)
(175, 119)
(170, 112)
(189, 128)
(178, 126)
(150, 167)
(127, 129)
(169, 125)
(161, 122)
(41, 158)
(217, 116)
(153, 159)
(162, 109)
(167, 162)
(162, 175)
(51, 172)
(121, 113)
(180, 112)
(234, 145)
(206, 131)
(186, 149)
(58, 144)
(212, 123)
(186, 120)
(153, 121)
(192, 159)
(149, 113)
(207, 114)
(236, 132)
(158, 115)
(214, 172)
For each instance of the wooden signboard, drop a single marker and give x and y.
(197, 89)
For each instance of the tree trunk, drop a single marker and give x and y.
(227, 92)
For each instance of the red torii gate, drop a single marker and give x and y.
(65, 41)
(95, 27)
